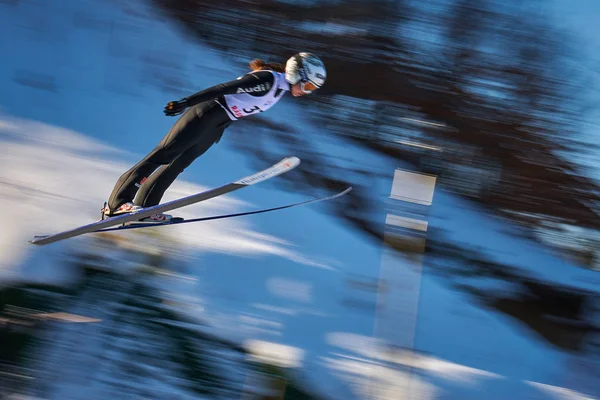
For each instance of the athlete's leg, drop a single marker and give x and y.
(157, 184)
(180, 137)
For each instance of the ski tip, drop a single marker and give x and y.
(38, 239)
(293, 159)
(288, 162)
(342, 193)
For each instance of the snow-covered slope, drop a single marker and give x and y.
(84, 86)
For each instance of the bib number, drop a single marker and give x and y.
(253, 109)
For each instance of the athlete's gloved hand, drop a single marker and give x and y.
(176, 107)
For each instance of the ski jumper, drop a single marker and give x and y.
(210, 112)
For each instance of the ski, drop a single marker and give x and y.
(283, 166)
(177, 221)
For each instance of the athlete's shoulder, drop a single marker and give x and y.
(262, 76)
(256, 83)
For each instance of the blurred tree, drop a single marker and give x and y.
(501, 90)
(564, 316)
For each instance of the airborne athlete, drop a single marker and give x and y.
(207, 114)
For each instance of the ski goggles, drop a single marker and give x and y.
(307, 87)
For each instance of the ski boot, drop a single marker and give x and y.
(129, 207)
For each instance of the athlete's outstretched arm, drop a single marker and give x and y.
(248, 81)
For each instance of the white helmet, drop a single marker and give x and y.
(305, 68)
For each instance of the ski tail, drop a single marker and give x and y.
(283, 166)
(265, 210)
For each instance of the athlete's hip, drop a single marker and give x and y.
(210, 112)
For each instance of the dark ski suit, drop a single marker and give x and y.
(210, 112)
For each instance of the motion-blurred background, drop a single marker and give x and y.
(464, 264)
